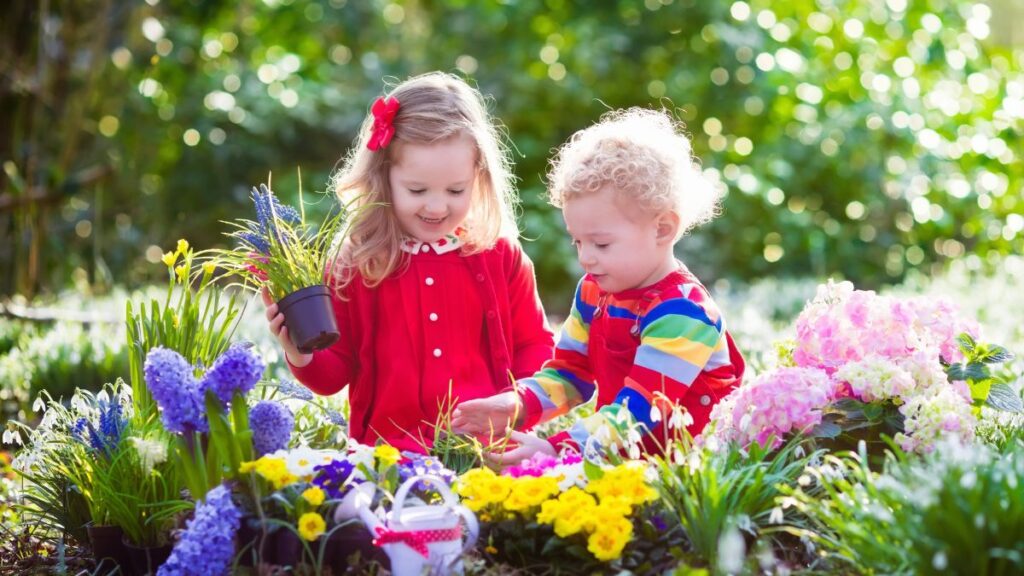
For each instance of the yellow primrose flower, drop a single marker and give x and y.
(550, 511)
(311, 526)
(574, 496)
(606, 545)
(182, 246)
(170, 258)
(536, 489)
(247, 467)
(387, 454)
(313, 495)
(495, 490)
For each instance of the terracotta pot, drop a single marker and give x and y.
(108, 549)
(309, 316)
(147, 559)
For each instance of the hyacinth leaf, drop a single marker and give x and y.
(1002, 397)
(592, 471)
(243, 433)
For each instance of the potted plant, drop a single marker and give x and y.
(283, 253)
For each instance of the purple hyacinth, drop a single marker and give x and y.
(269, 209)
(291, 389)
(174, 388)
(271, 424)
(104, 438)
(335, 479)
(414, 464)
(238, 369)
(254, 240)
(207, 546)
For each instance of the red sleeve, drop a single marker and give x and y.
(532, 340)
(335, 367)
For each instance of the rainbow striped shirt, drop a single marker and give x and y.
(654, 346)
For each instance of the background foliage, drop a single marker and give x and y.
(861, 138)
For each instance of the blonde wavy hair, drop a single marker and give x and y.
(646, 157)
(432, 107)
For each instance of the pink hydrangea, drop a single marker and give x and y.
(774, 405)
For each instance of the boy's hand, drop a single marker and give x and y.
(529, 444)
(280, 331)
(487, 416)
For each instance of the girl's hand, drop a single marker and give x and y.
(529, 444)
(487, 416)
(280, 331)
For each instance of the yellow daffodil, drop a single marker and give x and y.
(170, 258)
(182, 246)
(311, 526)
(182, 272)
(313, 495)
(209, 267)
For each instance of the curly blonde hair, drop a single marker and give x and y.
(432, 107)
(645, 157)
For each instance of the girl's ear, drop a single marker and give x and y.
(667, 227)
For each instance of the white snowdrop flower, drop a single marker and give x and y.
(655, 413)
(731, 549)
(103, 396)
(78, 404)
(49, 419)
(39, 405)
(677, 456)
(12, 436)
(634, 451)
(777, 516)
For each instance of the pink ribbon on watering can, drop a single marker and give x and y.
(416, 539)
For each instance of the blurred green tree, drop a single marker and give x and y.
(862, 138)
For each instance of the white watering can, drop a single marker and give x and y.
(424, 536)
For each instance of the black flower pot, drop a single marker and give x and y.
(108, 549)
(147, 559)
(254, 545)
(351, 546)
(288, 548)
(310, 318)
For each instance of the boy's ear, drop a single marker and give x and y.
(667, 227)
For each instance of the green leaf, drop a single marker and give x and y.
(1003, 397)
(826, 430)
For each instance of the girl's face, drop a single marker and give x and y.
(432, 186)
(618, 245)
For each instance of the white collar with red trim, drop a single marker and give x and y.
(447, 243)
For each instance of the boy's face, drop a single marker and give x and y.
(432, 186)
(619, 246)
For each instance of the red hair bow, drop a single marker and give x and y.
(384, 110)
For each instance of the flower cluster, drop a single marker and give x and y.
(181, 397)
(208, 544)
(599, 510)
(104, 437)
(271, 424)
(857, 344)
(774, 405)
(237, 370)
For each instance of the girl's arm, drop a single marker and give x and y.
(532, 339)
(333, 368)
(679, 339)
(563, 382)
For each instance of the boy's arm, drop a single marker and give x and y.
(566, 380)
(679, 338)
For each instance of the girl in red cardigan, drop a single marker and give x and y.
(433, 294)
